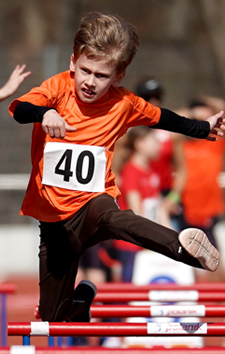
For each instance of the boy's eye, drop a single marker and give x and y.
(85, 70)
(101, 76)
(98, 75)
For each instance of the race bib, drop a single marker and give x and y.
(75, 167)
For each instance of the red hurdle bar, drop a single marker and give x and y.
(97, 350)
(5, 289)
(128, 287)
(107, 311)
(159, 296)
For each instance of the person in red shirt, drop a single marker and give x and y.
(78, 116)
(140, 185)
(170, 164)
(204, 164)
(140, 190)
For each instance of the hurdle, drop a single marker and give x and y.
(159, 296)
(129, 287)
(111, 329)
(173, 311)
(5, 289)
(96, 350)
(107, 311)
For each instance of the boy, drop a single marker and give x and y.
(78, 115)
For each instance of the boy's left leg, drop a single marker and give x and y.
(102, 220)
(196, 243)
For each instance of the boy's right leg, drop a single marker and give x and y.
(57, 271)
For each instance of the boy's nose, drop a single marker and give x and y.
(90, 81)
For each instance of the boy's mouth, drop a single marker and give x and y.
(88, 93)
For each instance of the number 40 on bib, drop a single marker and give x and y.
(75, 167)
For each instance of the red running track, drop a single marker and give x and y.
(115, 329)
(108, 311)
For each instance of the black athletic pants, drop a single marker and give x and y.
(63, 243)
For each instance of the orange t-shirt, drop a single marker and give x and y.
(98, 124)
(202, 196)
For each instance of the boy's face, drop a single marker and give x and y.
(93, 77)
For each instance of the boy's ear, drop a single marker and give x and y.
(119, 79)
(72, 63)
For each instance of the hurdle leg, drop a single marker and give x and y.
(3, 320)
(51, 341)
(59, 341)
(26, 340)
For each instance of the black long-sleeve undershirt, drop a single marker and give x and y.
(191, 127)
(26, 112)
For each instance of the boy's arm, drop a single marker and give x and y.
(52, 123)
(191, 127)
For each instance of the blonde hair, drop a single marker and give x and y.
(106, 37)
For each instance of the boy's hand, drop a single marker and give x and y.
(54, 125)
(217, 126)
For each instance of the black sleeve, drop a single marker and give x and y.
(174, 123)
(26, 112)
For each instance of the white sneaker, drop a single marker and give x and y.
(197, 244)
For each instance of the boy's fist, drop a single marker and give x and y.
(54, 125)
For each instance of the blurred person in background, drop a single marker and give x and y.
(15, 80)
(204, 162)
(94, 264)
(202, 197)
(170, 163)
(140, 190)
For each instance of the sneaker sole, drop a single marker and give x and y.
(197, 244)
